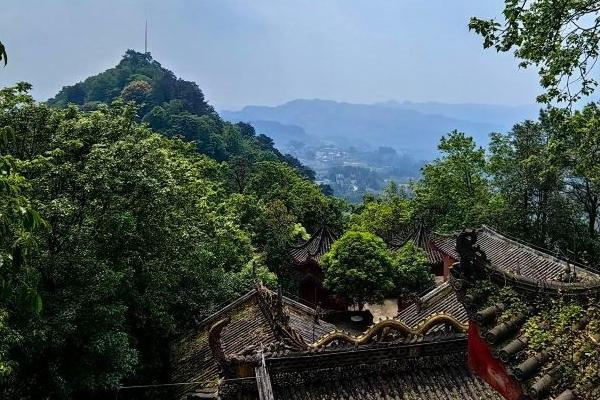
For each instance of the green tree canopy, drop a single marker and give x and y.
(580, 149)
(359, 268)
(271, 180)
(411, 271)
(137, 91)
(138, 246)
(19, 221)
(530, 183)
(384, 216)
(453, 191)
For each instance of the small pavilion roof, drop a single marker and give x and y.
(314, 248)
(421, 237)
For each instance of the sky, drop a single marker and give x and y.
(267, 52)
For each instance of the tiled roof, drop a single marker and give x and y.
(420, 237)
(314, 248)
(425, 368)
(413, 368)
(504, 254)
(545, 334)
(446, 244)
(249, 327)
(515, 256)
(389, 363)
(440, 300)
(457, 383)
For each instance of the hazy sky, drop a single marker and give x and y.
(270, 51)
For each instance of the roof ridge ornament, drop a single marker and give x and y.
(471, 255)
(216, 347)
(384, 328)
(271, 305)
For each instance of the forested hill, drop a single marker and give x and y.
(175, 107)
(119, 238)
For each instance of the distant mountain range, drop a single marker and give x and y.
(415, 128)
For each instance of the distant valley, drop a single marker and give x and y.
(357, 148)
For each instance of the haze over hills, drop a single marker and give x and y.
(405, 126)
(357, 148)
(476, 112)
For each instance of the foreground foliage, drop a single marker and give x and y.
(145, 236)
(560, 38)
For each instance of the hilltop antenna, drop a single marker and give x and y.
(146, 38)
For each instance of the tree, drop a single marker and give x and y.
(271, 180)
(358, 267)
(19, 222)
(580, 148)
(560, 38)
(411, 271)
(384, 216)
(454, 191)
(138, 247)
(137, 91)
(530, 182)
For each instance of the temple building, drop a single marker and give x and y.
(266, 346)
(511, 322)
(434, 246)
(534, 330)
(506, 254)
(306, 268)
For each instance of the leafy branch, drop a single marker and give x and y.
(561, 39)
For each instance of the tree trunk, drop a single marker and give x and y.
(592, 217)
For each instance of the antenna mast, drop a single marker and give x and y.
(146, 38)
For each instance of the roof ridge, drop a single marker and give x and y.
(271, 305)
(318, 233)
(303, 307)
(538, 250)
(314, 247)
(441, 289)
(228, 307)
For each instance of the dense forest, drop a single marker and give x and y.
(538, 183)
(116, 238)
(129, 210)
(174, 107)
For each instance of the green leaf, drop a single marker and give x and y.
(37, 304)
(31, 300)
(17, 256)
(31, 219)
(4, 288)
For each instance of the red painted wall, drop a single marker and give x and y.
(448, 262)
(489, 368)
